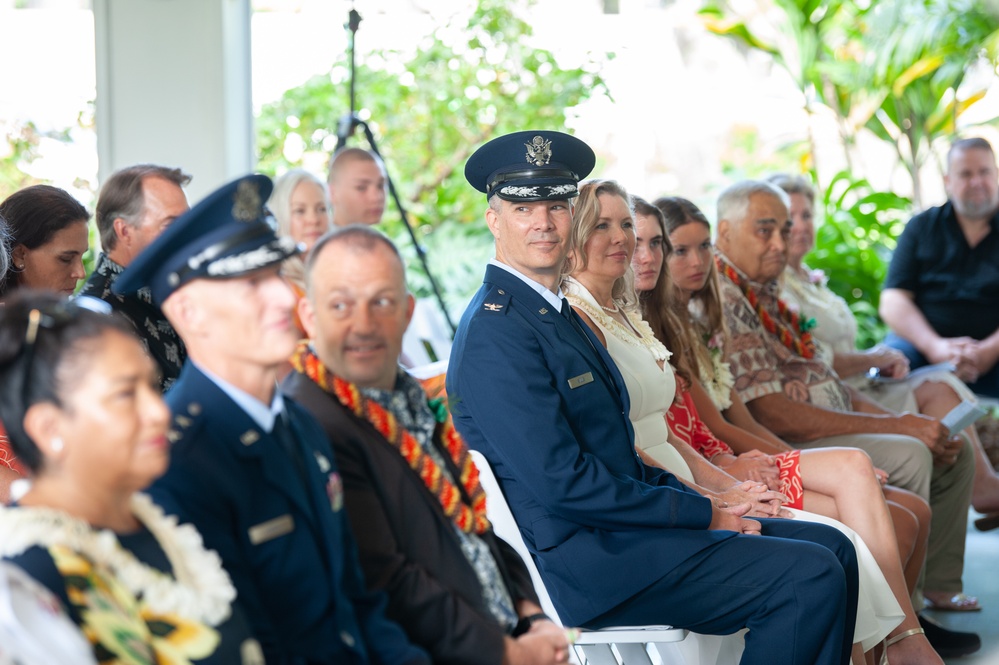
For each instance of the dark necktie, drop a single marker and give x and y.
(567, 313)
(574, 320)
(285, 434)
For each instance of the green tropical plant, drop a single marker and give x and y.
(853, 247)
(894, 67)
(803, 37)
(917, 74)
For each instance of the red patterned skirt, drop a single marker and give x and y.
(687, 425)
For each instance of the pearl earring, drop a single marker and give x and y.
(56, 445)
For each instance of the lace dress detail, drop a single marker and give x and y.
(651, 389)
(640, 335)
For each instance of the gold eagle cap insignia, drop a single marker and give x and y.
(539, 151)
(246, 207)
(493, 307)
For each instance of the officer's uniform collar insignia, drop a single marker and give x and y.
(249, 437)
(543, 311)
(324, 464)
(493, 307)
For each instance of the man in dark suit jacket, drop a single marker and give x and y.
(410, 487)
(616, 541)
(252, 470)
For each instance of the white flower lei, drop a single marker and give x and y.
(200, 588)
(719, 384)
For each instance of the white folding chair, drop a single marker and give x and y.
(624, 645)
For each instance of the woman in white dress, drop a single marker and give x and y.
(933, 393)
(601, 247)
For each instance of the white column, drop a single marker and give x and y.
(173, 87)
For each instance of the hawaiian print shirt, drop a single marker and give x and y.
(162, 341)
(762, 365)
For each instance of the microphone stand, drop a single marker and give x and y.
(345, 128)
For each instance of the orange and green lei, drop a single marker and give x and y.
(791, 330)
(469, 517)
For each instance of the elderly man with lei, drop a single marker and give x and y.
(802, 400)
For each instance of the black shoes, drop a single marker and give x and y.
(949, 643)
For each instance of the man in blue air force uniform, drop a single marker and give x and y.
(617, 542)
(252, 470)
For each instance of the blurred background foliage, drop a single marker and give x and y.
(854, 245)
(23, 141)
(474, 78)
(905, 72)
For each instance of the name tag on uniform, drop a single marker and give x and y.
(580, 380)
(271, 529)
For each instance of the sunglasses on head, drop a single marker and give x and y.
(54, 317)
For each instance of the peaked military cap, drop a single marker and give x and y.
(535, 165)
(225, 235)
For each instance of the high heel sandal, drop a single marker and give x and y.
(898, 638)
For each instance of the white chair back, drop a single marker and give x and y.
(626, 645)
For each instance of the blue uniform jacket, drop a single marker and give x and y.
(292, 558)
(549, 410)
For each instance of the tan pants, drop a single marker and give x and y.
(948, 489)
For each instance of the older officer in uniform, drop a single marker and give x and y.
(617, 542)
(251, 469)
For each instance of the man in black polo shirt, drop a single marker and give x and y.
(941, 297)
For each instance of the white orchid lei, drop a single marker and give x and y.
(717, 380)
